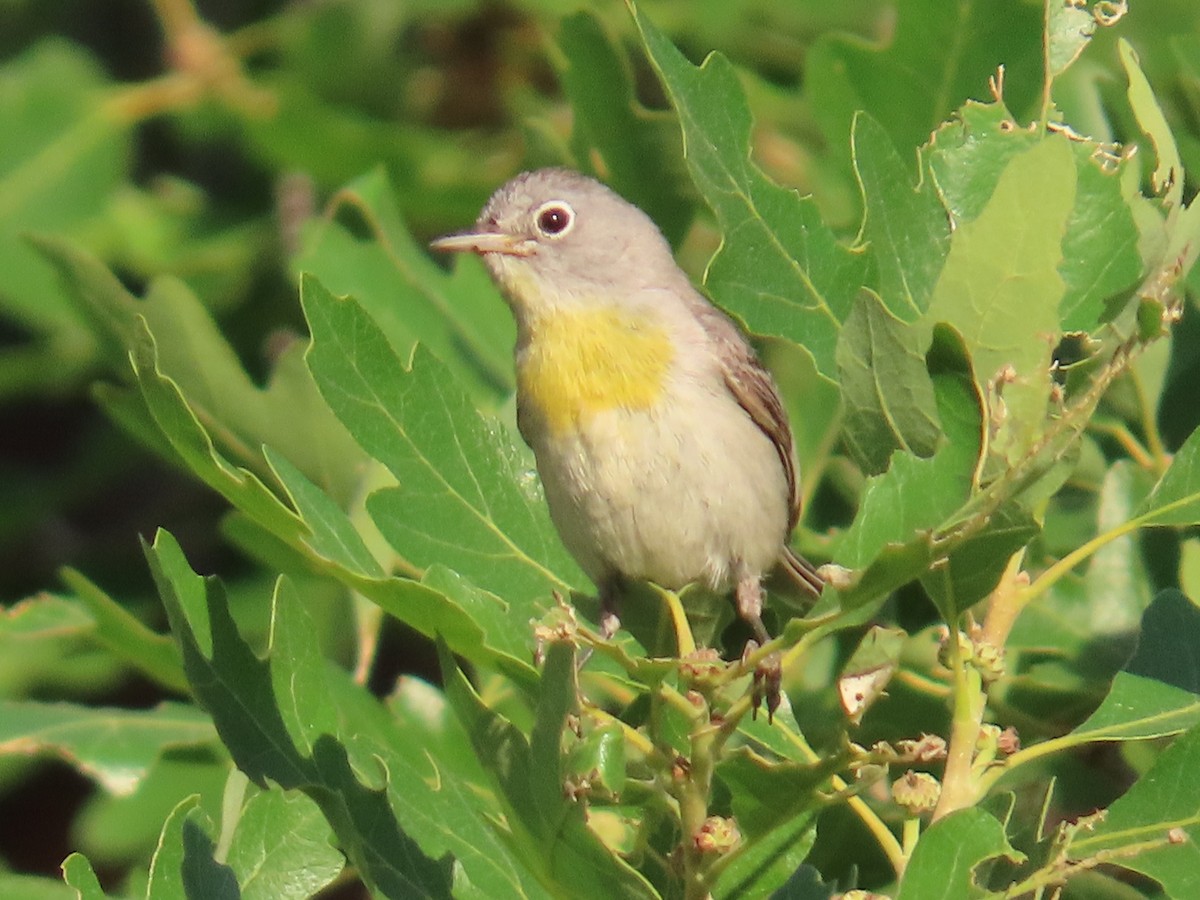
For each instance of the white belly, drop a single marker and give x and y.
(692, 493)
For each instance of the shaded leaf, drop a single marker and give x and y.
(295, 721)
(639, 149)
(908, 83)
(887, 395)
(916, 495)
(549, 833)
(1158, 692)
(974, 567)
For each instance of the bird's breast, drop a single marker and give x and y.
(575, 364)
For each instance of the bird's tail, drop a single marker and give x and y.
(802, 572)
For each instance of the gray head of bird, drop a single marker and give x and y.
(554, 237)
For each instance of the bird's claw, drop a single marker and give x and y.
(767, 685)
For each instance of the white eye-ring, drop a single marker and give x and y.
(554, 219)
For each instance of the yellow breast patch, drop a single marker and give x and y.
(578, 363)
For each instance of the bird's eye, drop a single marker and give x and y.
(554, 219)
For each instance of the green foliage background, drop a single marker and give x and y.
(218, 319)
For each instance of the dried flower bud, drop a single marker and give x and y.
(926, 748)
(916, 792)
(717, 835)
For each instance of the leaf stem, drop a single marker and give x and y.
(1058, 570)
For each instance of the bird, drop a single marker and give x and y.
(660, 438)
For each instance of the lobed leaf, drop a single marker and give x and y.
(114, 746)
(1001, 287)
(459, 316)
(465, 494)
(779, 267)
(291, 719)
(548, 832)
(907, 227)
(944, 861)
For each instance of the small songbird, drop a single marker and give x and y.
(661, 440)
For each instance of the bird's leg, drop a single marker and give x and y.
(768, 676)
(610, 607)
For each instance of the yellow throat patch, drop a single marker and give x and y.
(580, 363)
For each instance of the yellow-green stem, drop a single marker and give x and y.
(912, 831)
(959, 789)
(693, 797)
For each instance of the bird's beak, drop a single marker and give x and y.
(482, 242)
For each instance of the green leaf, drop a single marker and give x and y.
(974, 567)
(281, 848)
(79, 874)
(779, 267)
(1001, 287)
(943, 864)
(804, 884)
(639, 149)
(467, 496)
(48, 642)
(204, 876)
(932, 60)
(1068, 32)
(916, 495)
(1101, 258)
(303, 725)
(548, 833)
(166, 867)
(888, 397)
(65, 151)
(112, 829)
(1167, 178)
(1101, 254)
(1175, 500)
(775, 804)
(193, 444)
(459, 316)
(1157, 693)
(114, 746)
(190, 352)
(332, 535)
(155, 655)
(1155, 826)
(907, 227)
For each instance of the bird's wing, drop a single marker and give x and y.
(754, 389)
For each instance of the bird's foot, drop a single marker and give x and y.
(767, 685)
